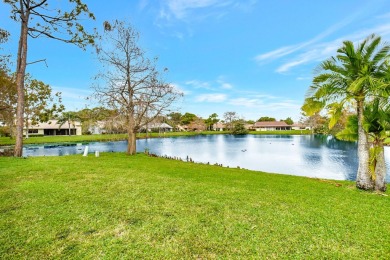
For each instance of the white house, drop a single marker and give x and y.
(161, 127)
(219, 126)
(271, 126)
(52, 127)
(300, 127)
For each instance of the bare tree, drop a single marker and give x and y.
(229, 118)
(130, 81)
(38, 19)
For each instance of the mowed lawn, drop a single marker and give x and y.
(117, 206)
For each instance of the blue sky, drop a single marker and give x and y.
(254, 57)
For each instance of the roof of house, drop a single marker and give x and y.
(219, 125)
(159, 125)
(53, 124)
(271, 124)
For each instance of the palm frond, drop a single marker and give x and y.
(312, 106)
(335, 111)
(368, 50)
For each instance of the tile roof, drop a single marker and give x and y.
(270, 124)
(53, 124)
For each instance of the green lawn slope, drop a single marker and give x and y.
(117, 206)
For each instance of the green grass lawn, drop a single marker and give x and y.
(116, 206)
(117, 137)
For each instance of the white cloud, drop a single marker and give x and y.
(223, 84)
(276, 53)
(213, 98)
(315, 50)
(278, 104)
(216, 85)
(72, 93)
(181, 89)
(324, 50)
(189, 9)
(287, 66)
(199, 84)
(226, 86)
(180, 8)
(304, 78)
(245, 102)
(75, 99)
(286, 50)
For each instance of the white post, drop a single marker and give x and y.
(86, 151)
(97, 153)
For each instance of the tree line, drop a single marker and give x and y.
(129, 81)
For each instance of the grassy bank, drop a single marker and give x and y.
(117, 206)
(117, 137)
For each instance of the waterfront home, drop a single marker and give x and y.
(271, 126)
(52, 127)
(219, 126)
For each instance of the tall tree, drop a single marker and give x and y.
(39, 102)
(230, 117)
(187, 118)
(39, 19)
(352, 77)
(174, 119)
(266, 119)
(288, 121)
(8, 99)
(132, 83)
(376, 123)
(69, 118)
(211, 120)
(239, 128)
(4, 35)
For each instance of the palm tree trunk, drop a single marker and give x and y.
(364, 180)
(380, 169)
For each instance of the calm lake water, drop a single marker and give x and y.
(306, 155)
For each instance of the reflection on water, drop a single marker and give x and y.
(309, 155)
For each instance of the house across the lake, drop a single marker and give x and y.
(271, 126)
(52, 127)
(158, 127)
(219, 126)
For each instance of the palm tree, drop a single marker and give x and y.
(67, 117)
(376, 123)
(351, 78)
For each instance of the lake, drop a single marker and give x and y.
(302, 155)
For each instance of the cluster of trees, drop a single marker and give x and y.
(40, 103)
(39, 19)
(129, 83)
(359, 78)
(230, 119)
